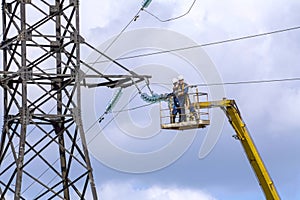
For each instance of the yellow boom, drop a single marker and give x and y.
(232, 112)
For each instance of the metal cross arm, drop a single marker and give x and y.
(122, 81)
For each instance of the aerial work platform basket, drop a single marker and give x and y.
(188, 116)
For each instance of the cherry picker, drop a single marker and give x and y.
(234, 117)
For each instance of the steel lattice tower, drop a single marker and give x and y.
(43, 152)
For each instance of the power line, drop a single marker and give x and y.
(116, 38)
(240, 82)
(134, 108)
(200, 85)
(173, 18)
(122, 31)
(117, 113)
(207, 44)
(217, 84)
(252, 82)
(109, 58)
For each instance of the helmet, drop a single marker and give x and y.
(174, 80)
(180, 77)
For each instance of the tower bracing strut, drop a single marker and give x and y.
(43, 151)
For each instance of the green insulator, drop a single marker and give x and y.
(114, 100)
(146, 3)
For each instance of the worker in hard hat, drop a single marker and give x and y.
(183, 98)
(175, 105)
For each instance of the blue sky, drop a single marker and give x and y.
(270, 110)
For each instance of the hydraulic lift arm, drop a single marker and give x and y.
(232, 112)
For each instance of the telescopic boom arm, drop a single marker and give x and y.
(232, 112)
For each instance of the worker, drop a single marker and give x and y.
(183, 98)
(175, 105)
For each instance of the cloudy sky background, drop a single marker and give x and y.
(270, 110)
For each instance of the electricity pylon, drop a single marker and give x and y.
(43, 151)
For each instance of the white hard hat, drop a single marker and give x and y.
(180, 77)
(174, 80)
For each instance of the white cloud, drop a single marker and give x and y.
(106, 17)
(93, 17)
(127, 190)
(285, 113)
